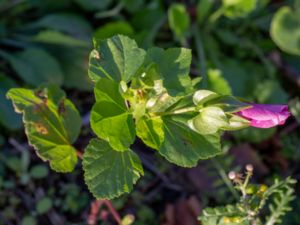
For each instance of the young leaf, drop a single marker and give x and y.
(216, 82)
(185, 147)
(203, 9)
(179, 20)
(117, 58)
(52, 124)
(151, 131)
(110, 119)
(109, 173)
(173, 66)
(238, 8)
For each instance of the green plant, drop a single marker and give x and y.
(144, 93)
(254, 198)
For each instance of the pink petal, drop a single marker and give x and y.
(265, 116)
(262, 124)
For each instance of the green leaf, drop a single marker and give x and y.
(58, 38)
(110, 119)
(92, 5)
(28, 220)
(8, 118)
(238, 8)
(217, 83)
(173, 66)
(285, 30)
(36, 66)
(185, 147)
(133, 5)
(113, 28)
(52, 124)
(117, 58)
(44, 205)
(39, 171)
(224, 215)
(109, 173)
(69, 23)
(179, 20)
(150, 130)
(203, 9)
(74, 64)
(209, 121)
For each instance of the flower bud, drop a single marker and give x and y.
(249, 168)
(232, 175)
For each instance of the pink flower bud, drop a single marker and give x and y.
(265, 116)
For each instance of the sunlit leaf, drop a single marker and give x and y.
(110, 119)
(173, 66)
(179, 20)
(186, 147)
(52, 124)
(238, 8)
(109, 173)
(150, 130)
(117, 58)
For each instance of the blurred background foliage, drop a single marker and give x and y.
(248, 48)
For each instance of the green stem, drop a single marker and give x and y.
(246, 182)
(110, 13)
(201, 55)
(216, 15)
(225, 178)
(175, 112)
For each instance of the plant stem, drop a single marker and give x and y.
(110, 13)
(179, 111)
(225, 178)
(216, 15)
(201, 54)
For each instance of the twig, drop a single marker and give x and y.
(113, 211)
(17, 145)
(110, 13)
(95, 209)
(79, 154)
